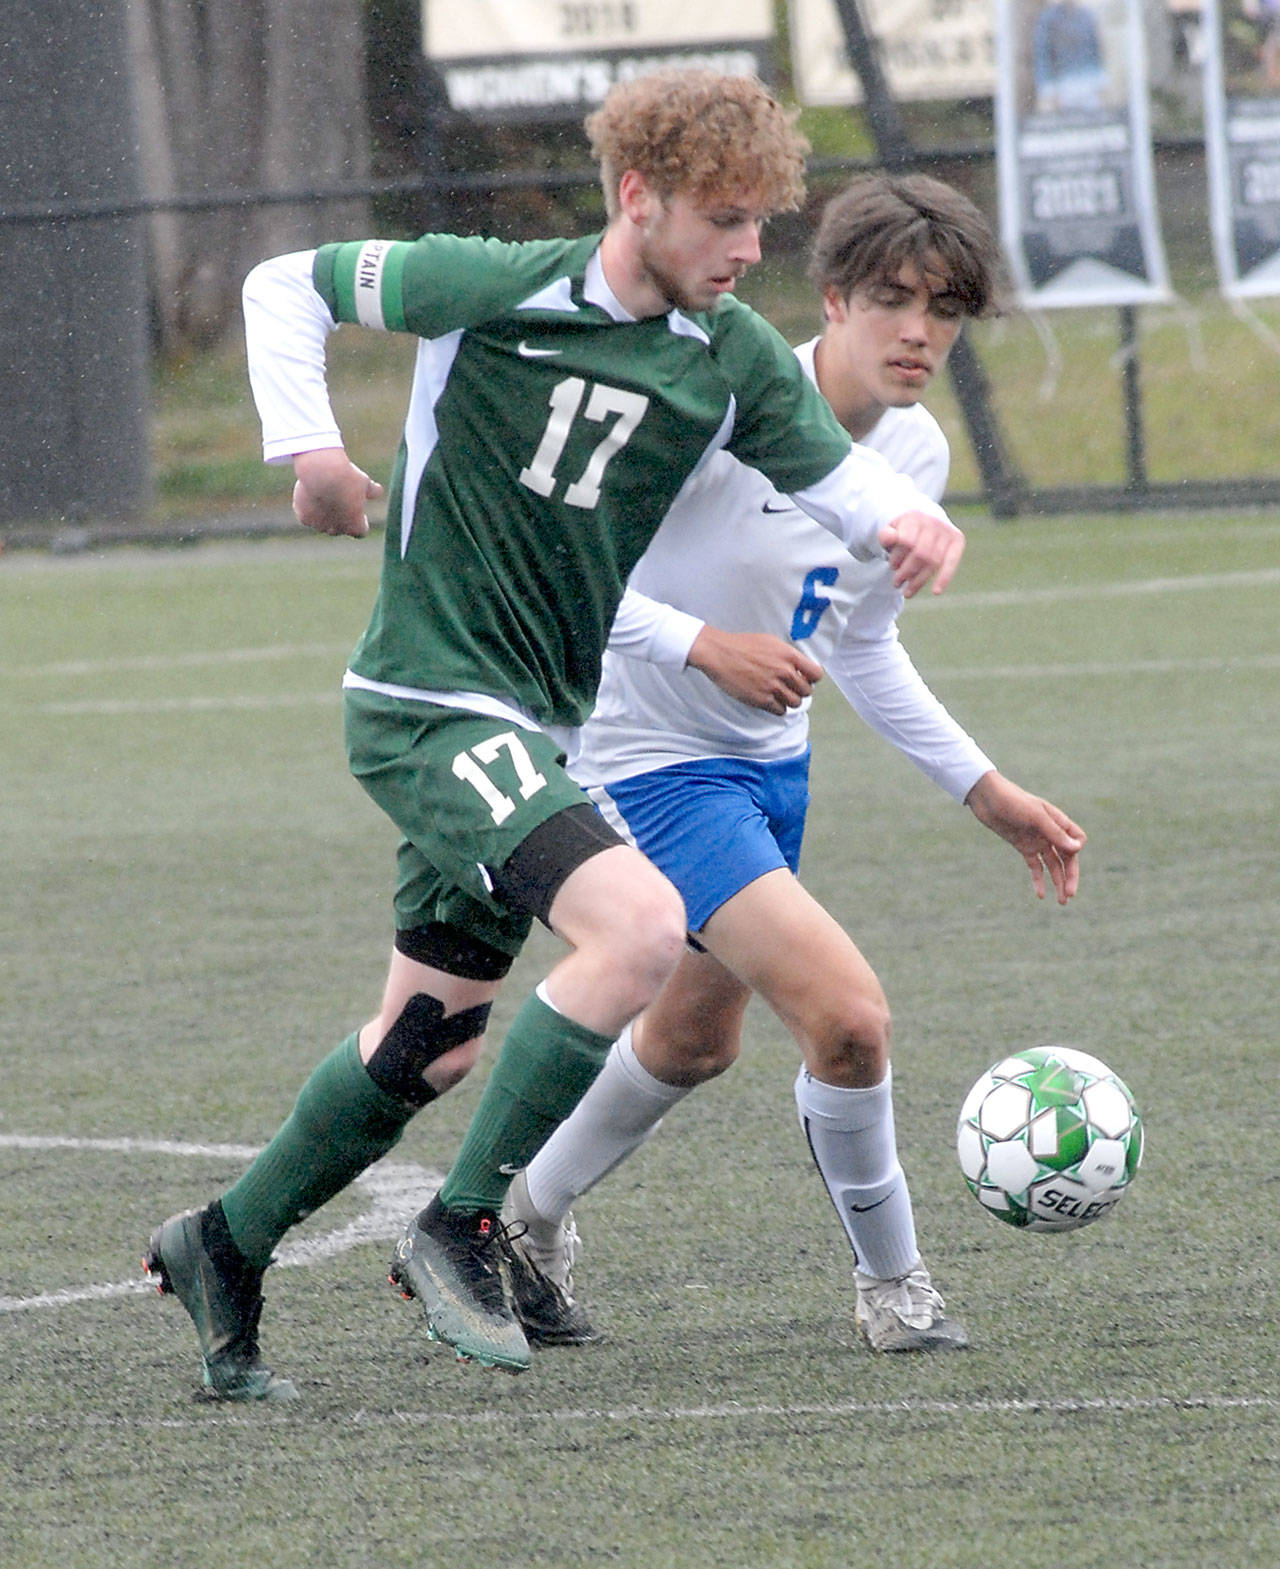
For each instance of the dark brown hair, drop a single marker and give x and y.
(881, 221)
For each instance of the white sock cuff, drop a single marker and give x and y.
(624, 1054)
(841, 1109)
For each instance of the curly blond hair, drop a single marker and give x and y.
(703, 135)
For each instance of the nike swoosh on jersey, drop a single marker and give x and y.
(772, 509)
(507, 1170)
(529, 352)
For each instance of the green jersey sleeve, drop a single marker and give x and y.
(440, 283)
(783, 426)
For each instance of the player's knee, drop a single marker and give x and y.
(667, 928)
(423, 1037)
(452, 1066)
(639, 940)
(656, 929)
(853, 1046)
(698, 1058)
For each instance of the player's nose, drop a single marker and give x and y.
(746, 248)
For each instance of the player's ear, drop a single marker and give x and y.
(636, 197)
(834, 305)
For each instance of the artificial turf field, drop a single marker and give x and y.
(195, 909)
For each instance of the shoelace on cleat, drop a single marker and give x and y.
(496, 1249)
(555, 1263)
(488, 1251)
(915, 1299)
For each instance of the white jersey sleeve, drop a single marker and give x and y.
(886, 690)
(859, 497)
(645, 628)
(868, 662)
(287, 325)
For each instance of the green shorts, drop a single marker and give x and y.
(465, 790)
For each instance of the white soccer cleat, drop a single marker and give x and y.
(905, 1313)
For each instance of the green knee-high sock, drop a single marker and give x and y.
(546, 1065)
(341, 1123)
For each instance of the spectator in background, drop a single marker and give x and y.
(1265, 16)
(1067, 56)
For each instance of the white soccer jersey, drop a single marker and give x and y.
(735, 553)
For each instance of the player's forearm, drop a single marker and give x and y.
(888, 693)
(287, 325)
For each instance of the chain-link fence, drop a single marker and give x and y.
(73, 448)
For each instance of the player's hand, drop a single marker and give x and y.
(922, 546)
(1042, 834)
(331, 492)
(755, 667)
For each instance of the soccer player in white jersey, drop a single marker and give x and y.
(715, 792)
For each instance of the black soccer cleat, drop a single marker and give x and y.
(192, 1257)
(451, 1263)
(541, 1254)
(549, 1315)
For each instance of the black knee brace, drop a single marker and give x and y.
(415, 1040)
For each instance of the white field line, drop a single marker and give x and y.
(190, 705)
(396, 1190)
(731, 1410)
(1258, 577)
(191, 659)
(213, 1413)
(994, 598)
(1105, 667)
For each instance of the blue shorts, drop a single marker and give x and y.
(717, 824)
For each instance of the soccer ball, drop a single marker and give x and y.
(1049, 1139)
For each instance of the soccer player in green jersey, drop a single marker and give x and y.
(563, 392)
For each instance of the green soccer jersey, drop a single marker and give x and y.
(544, 441)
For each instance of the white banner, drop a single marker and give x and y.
(1073, 153)
(556, 59)
(1242, 143)
(928, 49)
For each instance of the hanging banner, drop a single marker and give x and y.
(929, 49)
(1073, 153)
(1242, 142)
(518, 60)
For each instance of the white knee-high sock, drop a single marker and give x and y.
(620, 1110)
(851, 1136)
